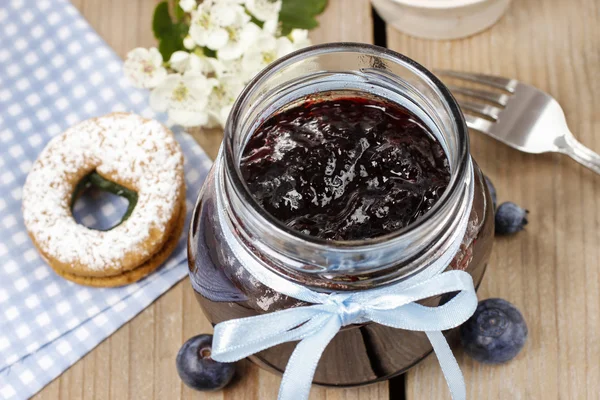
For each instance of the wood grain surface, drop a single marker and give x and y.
(551, 271)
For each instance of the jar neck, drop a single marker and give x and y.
(345, 265)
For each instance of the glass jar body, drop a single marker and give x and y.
(359, 354)
(228, 225)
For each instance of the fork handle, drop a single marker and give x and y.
(570, 146)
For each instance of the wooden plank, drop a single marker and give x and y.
(138, 361)
(345, 21)
(552, 270)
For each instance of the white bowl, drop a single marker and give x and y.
(441, 19)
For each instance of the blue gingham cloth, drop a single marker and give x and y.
(54, 72)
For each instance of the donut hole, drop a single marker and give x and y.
(100, 204)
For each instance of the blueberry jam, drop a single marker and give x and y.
(345, 168)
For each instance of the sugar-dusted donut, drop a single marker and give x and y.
(139, 272)
(139, 154)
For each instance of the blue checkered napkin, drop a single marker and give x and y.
(54, 72)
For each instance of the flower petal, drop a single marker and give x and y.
(271, 26)
(252, 63)
(265, 42)
(155, 56)
(199, 34)
(160, 97)
(264, 10)
(217, 38)
(200, 64)
(230, 51)
(284, 46)
(159, 100)
(299, 35)
(180, 60)
(187, 5)
(138, 53)
(300, 38)
(156, 79)
(189, 43)
(250, 33)
(188, 118)
(225, 14)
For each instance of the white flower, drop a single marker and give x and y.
(264, 51)
(264, 10)
(184, 97)
(222, 98)
(188, 42)
(240, 38)
(219, 25)
(226, 68)
(200, 63)
(271, 26)
(230, 68)
(299, 38)
(144, 67)
(187, 5)
(182, 61)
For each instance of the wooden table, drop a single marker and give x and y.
(551, 271)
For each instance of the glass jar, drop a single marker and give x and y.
(360, 353)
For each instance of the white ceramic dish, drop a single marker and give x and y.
(441, 19)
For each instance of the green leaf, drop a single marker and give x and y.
(162, 25)
(300, 14)
(256, 21)
(170, 35)
(179, 13)
(173, 41)
(209, 53)
(169, 45)
(181, 29)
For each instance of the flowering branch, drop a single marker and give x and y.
(208, 52)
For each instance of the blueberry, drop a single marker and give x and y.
(510, 218)
(492, 190)
(197, 370)
(496, 333)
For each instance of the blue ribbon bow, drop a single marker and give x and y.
(316, 325)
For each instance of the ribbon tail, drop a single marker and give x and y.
(238, 338)
(450, 368)
(301, 367)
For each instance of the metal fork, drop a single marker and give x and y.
(522, 117)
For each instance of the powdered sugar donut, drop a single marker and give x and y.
(139, 154)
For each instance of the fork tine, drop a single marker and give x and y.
(480, 108)
(500, 99)
(478, 123)
(496, 81)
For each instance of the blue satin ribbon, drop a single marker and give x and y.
(316, 325)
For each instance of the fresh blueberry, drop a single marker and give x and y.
(510, 218)
(198, 370)
(492, 190)
(496, 333)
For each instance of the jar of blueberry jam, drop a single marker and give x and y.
(344, 167)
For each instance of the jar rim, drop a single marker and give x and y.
(456, 180)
